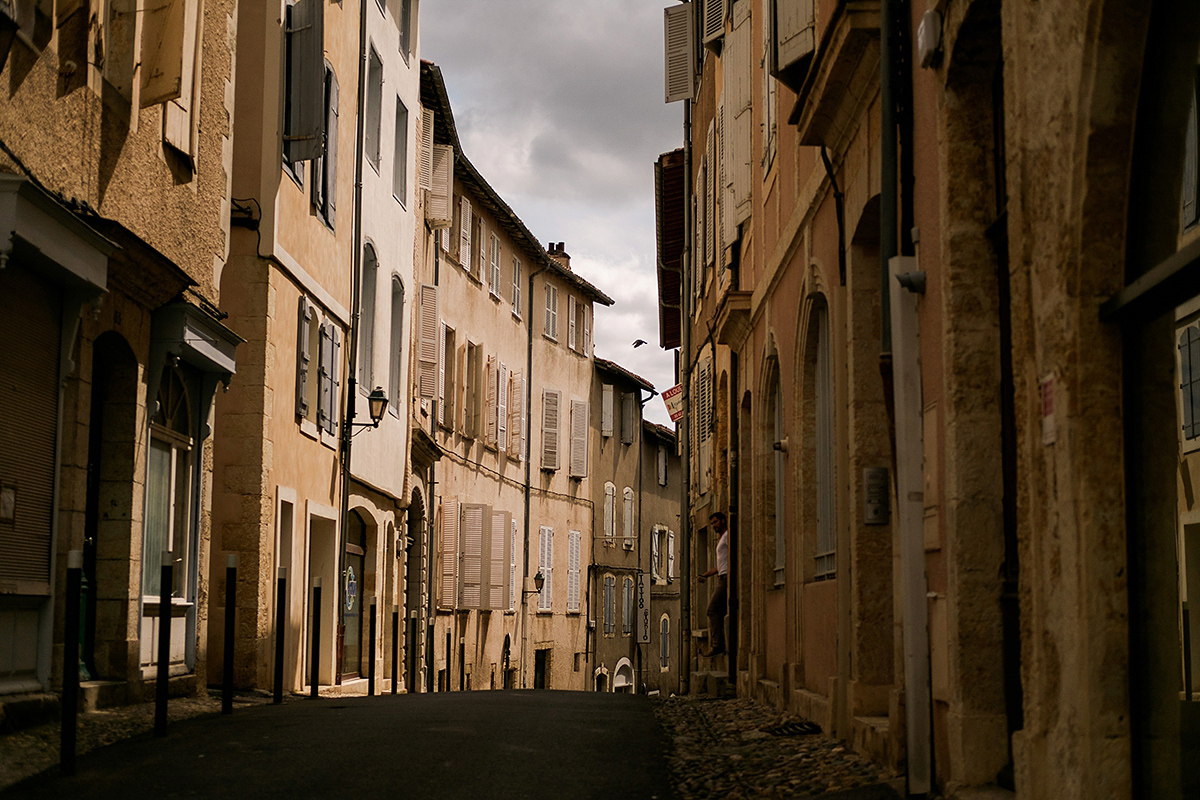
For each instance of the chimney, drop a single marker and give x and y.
(557, 251)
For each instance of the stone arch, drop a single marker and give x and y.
(415, 542)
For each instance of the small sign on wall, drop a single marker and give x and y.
(643, 608)
(876, 509)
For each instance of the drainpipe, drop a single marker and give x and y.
(528, 449)
(685, 373)
(356, 310)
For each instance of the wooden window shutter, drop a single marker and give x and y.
(654, 556)
(586, 315)
(439, 209)
(324, 358)
(699, 207)
(573, 538)
(546, 567)
(448, 556)
(502, 407)
(552, 311)
(425, 173)
(474, 519)
(670, 555)
(628, 416)
(494, 279)
(499, 559)
(304, 126)
(464, 231)
(550, 404)
(524, 419)
(303, 356)
(710, 215)
(427, 352)
(627, 521)
(335, 384)
(609, 604)
(579, 439)
(512, 567)
(441, 380)
(627, 606)
(610, 510)
(516, 287)
(662, 466)
(795, 37)
(1191, 168)
(737, 63)
(713, 23)
(162, 52)
(489, 436)
(515, 400)
(179, 112)
(680, 46)
(606, 410)
(571, 314)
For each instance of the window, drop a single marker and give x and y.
(516, 416)
(585, 314)
(465, 227)
(610, 522)
(664, 642)
(662, 554)
(472, 390)
(572, 313)
(551, 329)
(366, 332)
(396, 361)
(662, 465)
(1191, 168)
(405, 29)
(324, 188)
(374, 107)
(627, 525)
(579, 439)
(400, 155)
(606, 410)
(328, 391)
(168, 489)
(306, 345)
(610, 602)
(550, 407)
(427, 345)
(1189, 384)
(478, 266)
(546, 567)
(627, 607)
(494, 275)
(516, 288)
(446, 393)
(573, 540)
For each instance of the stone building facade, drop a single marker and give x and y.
(115, 177)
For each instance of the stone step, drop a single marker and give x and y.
(103, 694)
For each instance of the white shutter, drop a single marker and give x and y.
(550, 409)
(713, 23)
(546, 567)
(654, 556)
(425, 173)
(516, 287)
(573, 571)
(736, 64)
(579, 439)
(464, 232)
(502, 408)
(552, 312)
(610, 510)
(179, 112)
(441, 381)
(795, 27)
(499, 561)
(606, 410)
(699, 209)
(524, 419)
(726, 233)
(494, 280)
(427, 354)
(448, 556)
(324, 357)
(670, 555)
(162, 52)
(680, 48)
(627, 521)
(571, 306)
(711, 188)
(474, 518)
(662, 465)
(585, 313)
(439, 209)
(515, 400)
(512, 567)
(489, 436)
(335, 381)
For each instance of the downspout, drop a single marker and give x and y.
(528, 448)
(685, 373)
(356, 310)
(430, 523)
(735, 409)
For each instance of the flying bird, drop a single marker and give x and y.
(639, 343)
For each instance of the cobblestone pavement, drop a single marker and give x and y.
(28, 752)
(723, 750)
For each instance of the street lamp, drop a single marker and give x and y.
(377, 402)
(538, 582)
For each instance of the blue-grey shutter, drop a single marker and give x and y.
(335, 348)
(305, 21)
(331, 147)
(323, 359)
(628, 417)
(303, 357)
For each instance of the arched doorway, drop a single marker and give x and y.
(414, 539)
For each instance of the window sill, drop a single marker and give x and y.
(516, 315)
(550, 338)
(309, 429)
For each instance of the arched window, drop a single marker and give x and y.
(664, 642)
(168, 488)
(610, 512)
(395, 357)
(628, 521)
(366, 330)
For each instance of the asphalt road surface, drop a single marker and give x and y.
(493, 744)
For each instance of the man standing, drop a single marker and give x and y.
(719, 602)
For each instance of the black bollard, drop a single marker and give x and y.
(315, 637)
(280, 628)
(230, 622)
(70, 683)
(395, 644)
(165, 590)
(371, 654)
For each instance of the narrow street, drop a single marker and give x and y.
(515, 744)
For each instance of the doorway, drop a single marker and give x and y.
(352, 622)
(541, 668)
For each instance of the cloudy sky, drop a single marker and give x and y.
(559, 104)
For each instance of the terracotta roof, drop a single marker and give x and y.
(617, 369)
(660, 431)
(433, 96)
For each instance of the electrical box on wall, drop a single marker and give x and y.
(876, 510)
